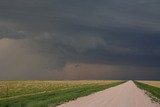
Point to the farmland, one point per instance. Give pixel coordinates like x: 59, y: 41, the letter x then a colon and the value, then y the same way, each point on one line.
x: 152, y: 83
x: 152, y: 88
x: 45, y: 93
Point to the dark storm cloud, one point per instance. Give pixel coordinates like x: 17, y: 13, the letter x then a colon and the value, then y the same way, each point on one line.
x: 116, y: 32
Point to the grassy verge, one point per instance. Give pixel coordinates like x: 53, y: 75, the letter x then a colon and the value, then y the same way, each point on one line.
x: 152, y: 91
x: 55, y: 97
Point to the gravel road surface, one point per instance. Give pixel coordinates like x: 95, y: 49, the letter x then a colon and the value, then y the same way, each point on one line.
x: 124, y: 95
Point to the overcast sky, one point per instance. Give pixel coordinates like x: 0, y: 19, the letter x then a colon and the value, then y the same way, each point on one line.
x: 79, y: 39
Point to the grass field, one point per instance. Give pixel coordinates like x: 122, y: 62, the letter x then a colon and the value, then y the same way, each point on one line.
x: 47, y: 93
x: 152, y: 87
x: 152, y: 83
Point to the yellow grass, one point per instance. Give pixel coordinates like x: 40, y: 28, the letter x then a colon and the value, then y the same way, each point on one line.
x: 43, y: 93
x: 21, y: 88
x: 152, y: 83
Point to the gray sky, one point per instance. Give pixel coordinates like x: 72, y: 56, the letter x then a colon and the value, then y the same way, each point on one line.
x: 79, y: 39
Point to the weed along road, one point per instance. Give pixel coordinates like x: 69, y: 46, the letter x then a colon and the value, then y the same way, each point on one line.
x: 124, y: 95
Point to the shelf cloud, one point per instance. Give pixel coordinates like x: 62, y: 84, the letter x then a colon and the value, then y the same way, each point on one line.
x: 70, y: 39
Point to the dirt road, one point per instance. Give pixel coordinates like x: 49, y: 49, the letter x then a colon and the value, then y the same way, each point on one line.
x: 124, y: 95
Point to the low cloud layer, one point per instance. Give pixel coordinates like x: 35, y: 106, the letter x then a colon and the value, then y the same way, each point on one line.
x: 40, y: 39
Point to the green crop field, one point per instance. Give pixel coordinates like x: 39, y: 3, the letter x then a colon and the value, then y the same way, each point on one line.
x: 47, y: 93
